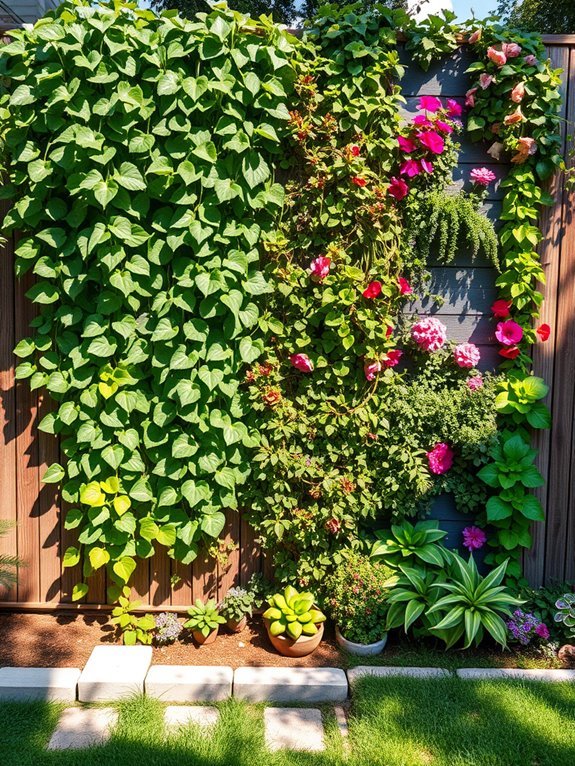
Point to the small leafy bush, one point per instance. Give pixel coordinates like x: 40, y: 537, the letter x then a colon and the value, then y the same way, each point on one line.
x: 238, y: 603
x: 356, y: 598
x: 133, y: 629
x: 407, y: 544
x: 293, y: 614
x: 542, y: 601
x: 167, y: 628
x: 204, y: 618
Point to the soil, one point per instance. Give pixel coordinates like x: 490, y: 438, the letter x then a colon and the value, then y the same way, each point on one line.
x: 66, y: 640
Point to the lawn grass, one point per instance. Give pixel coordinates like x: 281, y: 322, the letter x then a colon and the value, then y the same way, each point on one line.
x: 393, y: 722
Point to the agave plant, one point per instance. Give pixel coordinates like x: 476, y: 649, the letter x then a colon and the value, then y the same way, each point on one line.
x: 292, y: 613
x: 473, y: 604
x: 407, y: 545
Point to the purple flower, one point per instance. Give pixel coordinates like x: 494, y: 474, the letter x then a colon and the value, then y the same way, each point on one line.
x: 525, y: 626
x: 542, y: 631
x: 474, y: 538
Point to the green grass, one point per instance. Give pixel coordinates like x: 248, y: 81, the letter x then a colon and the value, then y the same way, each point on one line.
x: 393, y: 722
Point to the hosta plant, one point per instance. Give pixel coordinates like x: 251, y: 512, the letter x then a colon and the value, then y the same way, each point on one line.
x: 204, y: 618
x: 134, y: 629
x: 566, y: 612
x: 411, y: 544
x: 292, y: 614
x: 473, y: 605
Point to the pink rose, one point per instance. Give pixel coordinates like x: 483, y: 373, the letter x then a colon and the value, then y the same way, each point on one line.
x: 509, y: 333
x: 482, y: 176
x: 518, y: 93
x: 426, y: 166
x: 530, y: 60
x: 301, y: 362
x: 470, y: 97
x: 371, y: 368
x: 372, y: 290
x: 511, y: 50
x: 497, y: 57
x: 391, y: 359
x: 430, y: 103
x: 454, y: 109
x: 404, y: 286
x: 430, y: 334
x: 474, y: 383
x: 406, y: 144
x: 398, y: 188
x: 466, y: 355
x: 410, y: 168
x: 474, y: 37
x: 440, y: 458
x: 485, y: 80
x: 432, y: 141
x: 474, y: 538
x: 319, y: 268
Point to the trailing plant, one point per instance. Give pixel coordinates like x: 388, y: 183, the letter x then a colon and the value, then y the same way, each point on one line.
x: 431, y: 38
x: 356, y: 598
x: 204, y: 618
x: 167, y: 628
x: 408, y: 545
x: 292, y: 614
x: 133, y: 629
x: 142, y: 154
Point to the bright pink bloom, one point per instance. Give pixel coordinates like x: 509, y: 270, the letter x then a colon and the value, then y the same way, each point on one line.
x: 500, y: 308
x: 542, y: 631
x: 440, y: 458
x: 398, y: 188
x: 432, y: 141
x: 430, y: 103
x: 466, y: 355
x: 319, y: 268
x: 474, y: 382
x: 422, y: 121
x: 509, y: 333
x: 443, y: 127
x: 410, y: 168
x: 359, y: 181
x: 371, y: 368
x: 372, y: 290
x: 406, y: 144
x: 518, y: 93
x: 426, y: 166
x: 470, y: 97
x: 497, y: 57
x: 454, y: 109
x: 544, y: 331
x: 482, y: 176
x: 429, y: 333
x: 354, y: 149
x: 485, y: 80
x: 301, y: 362
x: 475, y: 36
x: 474, y: 538
x: 530, y: 60
x: 391, y: 359
x: 404, y: 286
x: 511, y: 50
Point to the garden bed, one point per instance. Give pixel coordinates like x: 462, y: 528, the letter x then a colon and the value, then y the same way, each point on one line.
x: 66, y: 640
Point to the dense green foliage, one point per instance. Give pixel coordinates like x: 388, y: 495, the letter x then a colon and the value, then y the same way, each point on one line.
x: 556, y: 18
x: 282, y: 11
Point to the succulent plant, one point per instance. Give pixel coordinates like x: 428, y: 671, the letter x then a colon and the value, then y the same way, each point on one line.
x: 292, y: 613
x: 566, y: 611
x: 204, y: 617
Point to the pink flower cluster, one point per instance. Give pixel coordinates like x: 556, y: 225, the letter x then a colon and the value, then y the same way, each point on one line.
x: 466, y: 355
x: 319, y: 268
x: 482, y: 176
x: 430, y: 334
x: 440, y: 458
x: 475, y: 382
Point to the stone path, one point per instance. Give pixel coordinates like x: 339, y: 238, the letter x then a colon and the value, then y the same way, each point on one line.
x: 293, y: 729
x: 177, y: 716
x: 83, y: 727
x: 189, y: 683
x: 50, y: 684
x: 114, y: 672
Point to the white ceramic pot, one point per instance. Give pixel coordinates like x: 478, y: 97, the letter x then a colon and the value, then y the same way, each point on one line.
x: 362, y: 650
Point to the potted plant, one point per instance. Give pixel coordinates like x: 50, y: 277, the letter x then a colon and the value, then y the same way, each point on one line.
x: 293, y: 622
x: 237, y: 605
x: 204, y: 621
x: 357, y: 602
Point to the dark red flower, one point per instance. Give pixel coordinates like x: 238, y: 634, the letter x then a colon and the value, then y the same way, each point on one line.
x: 359, y: 181
x: 354, y: 149
x: 398, y: 189
x: 372, y: 290
x: 501, y: 308
x: 510, y: 352
x: 544, y: 331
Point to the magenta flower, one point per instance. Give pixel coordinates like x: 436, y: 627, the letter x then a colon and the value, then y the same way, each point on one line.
x: 542, y: 631
x: 406, y: 144
x: 397, y: 188
x: 427, y: 166
x: 422, y: 121
x: 482, y: 176
x: 429, y: 103
x: 474, y: 538
x: 404, y: 287
x: 466, y: 355
x: 319, y: 268
x: 301, y: 362
x: 371, y: 368
x: 509, y: 333
x: 454, y: 109
x: 474, y: 383
x: 430, y: 334
x: 410, y: 168
x: 444, y: 127
x: 432, y: 141
x: 392, y: 358
x: 440, y: 458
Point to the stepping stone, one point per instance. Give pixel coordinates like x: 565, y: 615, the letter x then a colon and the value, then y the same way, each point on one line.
x: 186, y: 683
x: 394, y: 672
x: 176, y: 716
x: 83, y: 727
x: 114, y: 672
x: 535, y: 674
x: 263, y: 684
x: 288, y: 728
x: 52, y: 684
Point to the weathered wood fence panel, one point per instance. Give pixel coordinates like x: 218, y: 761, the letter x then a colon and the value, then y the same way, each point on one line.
x: 468, y: 291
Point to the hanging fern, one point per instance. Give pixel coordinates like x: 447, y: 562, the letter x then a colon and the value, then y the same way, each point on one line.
x: 451, y: 221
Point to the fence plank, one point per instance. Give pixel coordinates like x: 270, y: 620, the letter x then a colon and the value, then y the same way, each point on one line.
x: 49, y: 512
x: 229, y: 567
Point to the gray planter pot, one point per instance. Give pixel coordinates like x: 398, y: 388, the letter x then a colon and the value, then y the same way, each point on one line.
x: 362, y: 650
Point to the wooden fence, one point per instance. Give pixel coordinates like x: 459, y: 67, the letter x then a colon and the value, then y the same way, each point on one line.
x: 468, y: 290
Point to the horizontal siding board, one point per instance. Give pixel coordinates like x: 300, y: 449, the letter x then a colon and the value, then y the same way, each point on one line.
x: 446, y: 78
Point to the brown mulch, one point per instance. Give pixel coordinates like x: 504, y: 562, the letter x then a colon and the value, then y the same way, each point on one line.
x: 50, y: 640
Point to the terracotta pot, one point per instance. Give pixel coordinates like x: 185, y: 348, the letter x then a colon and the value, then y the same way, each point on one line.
x: 236, y: 626
x: 200, y: 639
x: 301, y: 647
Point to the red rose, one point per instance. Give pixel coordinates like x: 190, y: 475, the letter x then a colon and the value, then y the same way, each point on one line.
x: 501, y: 308
x: 544, y: 331
x: 372, y: 290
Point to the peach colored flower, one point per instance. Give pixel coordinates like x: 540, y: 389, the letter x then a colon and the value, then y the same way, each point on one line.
x: 474, y: 37
x: 497, y: 57
x: 514, y: 117
x: 518, y: 93
x: 525, y: 148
